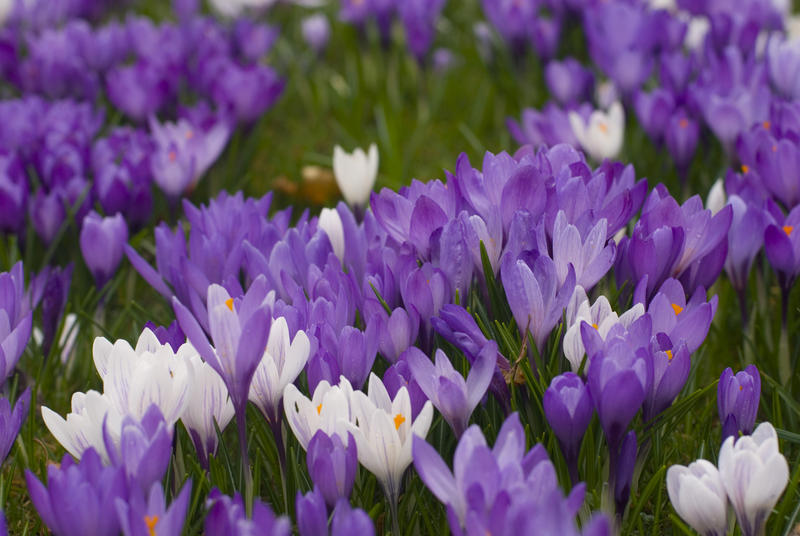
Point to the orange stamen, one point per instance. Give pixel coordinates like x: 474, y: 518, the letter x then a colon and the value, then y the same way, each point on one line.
x: 677, y: 308
x: 398, y: 420
x: 229, y: 303
x: 151, y: 522
x: 788, y: 230
x: 745, y: 168
x: 319, y: 409
x: 669, y: 355
x: 683, y: 122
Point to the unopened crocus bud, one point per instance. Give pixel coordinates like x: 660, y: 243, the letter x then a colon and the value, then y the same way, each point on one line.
x: 399, y: 375
x: 312, y: 516
x: 682, y: 133
x: 754, y: 474
x: 102, y: 241
x: 332, y: 465
x: 331, y: 224
x: 568, y: 408
x: 624, y: 472
x: 348, y: 520
x: 716, y: 197
x: 316, y: 31
x: 737, y: 400
x: 698, y: 495
x: 355, y: 173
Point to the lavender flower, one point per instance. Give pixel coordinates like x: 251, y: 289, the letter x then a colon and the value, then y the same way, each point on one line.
x: 568, y: 408
x: 16, y: 319
x: 737, y: 400
x: 138, y: 517
x: 80, y: 498
x: 102, y: 240
x: 11, y: 421
x: 332, y: 465
x: 455, y: 398
x: 226, y: 516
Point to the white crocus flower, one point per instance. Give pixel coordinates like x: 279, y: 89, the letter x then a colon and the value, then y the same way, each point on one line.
x: 69, y: 334
x: 329, y: 405
x: 355, y: 173
x: 383, y: 430
x: 150, y: 374
x: 282, y: 362
x: 331, y: 223
x: 754, y: 474
x: 696, y: 32
x: 602, y: 136
x: 208, y: 403
x: 698, y: 495
x: 599, y: 315
x: 83, y: 427
x: 716, y: 197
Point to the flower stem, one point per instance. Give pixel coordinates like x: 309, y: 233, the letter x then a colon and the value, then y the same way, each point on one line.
x: 248, y: 475
x: 784, y: 366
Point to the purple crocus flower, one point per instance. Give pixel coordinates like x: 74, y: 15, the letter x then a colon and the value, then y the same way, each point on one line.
x: 139, y: 90
x: 348, y: 520
x: 568, y: 81
x: 399, y: 375
x: 312, y: 515
x: 253, y: 40
x: 534, y: 295
x: 144, y: 448
x: 737, y: 400
x: 183, y: 153
x: 782, y: 246
x: 671, y: 365
x: 590, y: 256
x: 13, y: 193
x: 16, y: 319
x: 332, y: 465
x: 682, y: 321
x: 681, y: 135
x: 11, y: 421
x: 80, y: 498
x: 138, y: 517
x: 239, y: 330
x: 568, y: 408
x: 457, y: 326
x: 396, y: 332
x: 226, y: 516
x: 172, y: 334
x: 654, y: 110
x: 102, y: 240
x: 619, y: 378
x: 47, y: 213
x: 316, y: 31
x: 419, y: 20
x: 245, y: 92
x: 55, y: 283
x: 783, y: 61
x: 455, y: 398
x: 745, y: 240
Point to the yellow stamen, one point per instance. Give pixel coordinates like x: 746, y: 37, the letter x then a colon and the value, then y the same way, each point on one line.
x: 603, y: 127
x: 740, y: 387
x: 788, y: 229
x: 745, y: 168
x: 319, y: 409
x: 151, y: 522
x: 677, y: 308
x: 172, y: 156
x: 669, y: 355
x: 766, y: 124
x: 398, y: 420
x: 229, y: 303
x: 595, y: 326
x: 189, y: 134
x: 683, y: 122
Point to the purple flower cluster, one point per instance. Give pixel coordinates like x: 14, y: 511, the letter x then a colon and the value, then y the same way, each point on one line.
x: 504, y: 489
x: 418, y: 17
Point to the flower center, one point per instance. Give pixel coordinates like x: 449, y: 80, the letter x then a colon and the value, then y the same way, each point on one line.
x: 151, y: 522
x: 766, y: 124
x: 677, y: 308
x: 398, y: 420
x: 788, y: 229
x: 595, y: 326
x: 229, y: 303
x: 319, y: 409
x: 189, y: 134
x: 745, y: 168
x: 683, y: 122
x: 603, y: 128
x: 172, y: 156
x: 669, y: 355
